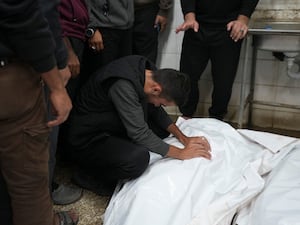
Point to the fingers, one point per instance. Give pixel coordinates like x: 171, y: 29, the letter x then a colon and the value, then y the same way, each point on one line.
x: 96, y: 46
x: 61, y: 105
x: 201, y: 141
x: 188, y: 25
x: 238, y: 34
x: 196, y: 149
x: 205, y: 143
x: 204, y: 154
x: 238, y: 30
x: 96, y: 42
x: 203, y: 151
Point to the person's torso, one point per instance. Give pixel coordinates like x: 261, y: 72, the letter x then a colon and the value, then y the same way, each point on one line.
x: 73, y: 18
x: 217, y: 12
x: 111, y: 13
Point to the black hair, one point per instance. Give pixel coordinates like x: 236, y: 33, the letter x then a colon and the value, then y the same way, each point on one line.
x: 175, y: 85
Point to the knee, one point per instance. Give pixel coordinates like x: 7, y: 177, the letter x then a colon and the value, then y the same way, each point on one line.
x: 137, y: 163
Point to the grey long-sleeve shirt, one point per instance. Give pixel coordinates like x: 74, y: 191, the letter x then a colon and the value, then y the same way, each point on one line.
x: 126, y: 101
x: 116, y: 14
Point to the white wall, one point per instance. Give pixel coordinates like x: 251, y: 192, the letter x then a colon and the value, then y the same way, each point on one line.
x: 272, y: 83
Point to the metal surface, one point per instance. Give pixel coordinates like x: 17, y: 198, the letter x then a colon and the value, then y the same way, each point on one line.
x: 275, y: 36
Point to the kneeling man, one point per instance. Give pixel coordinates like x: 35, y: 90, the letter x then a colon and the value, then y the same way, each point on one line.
x: 118, y: 118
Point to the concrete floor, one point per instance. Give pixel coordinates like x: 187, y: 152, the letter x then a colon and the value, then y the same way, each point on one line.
x: 90, y: 207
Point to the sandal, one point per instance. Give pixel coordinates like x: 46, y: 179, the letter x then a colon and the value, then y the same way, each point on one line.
x: 65, y: 218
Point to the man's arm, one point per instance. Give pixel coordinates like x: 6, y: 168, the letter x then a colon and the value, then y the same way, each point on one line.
x: 126, y: 102
x: 131, y: 113
x: 24, y: 27
x: 248, y: 7
x: 162, y: 15
x: 58, y: 95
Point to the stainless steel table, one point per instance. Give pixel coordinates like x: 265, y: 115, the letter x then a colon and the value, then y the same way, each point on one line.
x: 275, y: 36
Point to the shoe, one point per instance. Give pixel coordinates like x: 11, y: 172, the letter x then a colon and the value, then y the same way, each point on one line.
x: 64, y: 195
x: 66, y: 218
x: 91, y: 183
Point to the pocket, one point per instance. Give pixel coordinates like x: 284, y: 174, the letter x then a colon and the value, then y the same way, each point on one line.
x: 36, y: 146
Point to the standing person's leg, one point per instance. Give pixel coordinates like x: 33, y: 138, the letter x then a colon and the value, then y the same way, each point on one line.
x: 125, y: 42
x: 145, y: 35
x: 193, y: 61
x: 5, y: 208
x: 225, y: 59
x: 24, y: 145
x: 60, y: 193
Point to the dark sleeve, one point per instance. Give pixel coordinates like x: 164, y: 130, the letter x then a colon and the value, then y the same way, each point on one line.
x: 164, y: 7
x: 27, y: 33
x: 187, y: 6
x: 50, y: 10
x: 248, y: 7
x: 126, y: 102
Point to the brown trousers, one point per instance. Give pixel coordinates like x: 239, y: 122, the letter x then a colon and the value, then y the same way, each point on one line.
x: 24, y: 144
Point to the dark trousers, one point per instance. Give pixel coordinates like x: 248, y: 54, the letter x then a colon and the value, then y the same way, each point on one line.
x: 113, y: 158
x: 24, y: 145
x: 5, y: 205
x: 73, y: 86
x: 116, y: 157
x: 197, y: 49
x: 145, y: 35
x: 75, y: 83
x: 117, y: 43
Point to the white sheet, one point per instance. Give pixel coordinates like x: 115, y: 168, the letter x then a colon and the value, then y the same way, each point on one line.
x: 279, y: 202
x: 196, y: 191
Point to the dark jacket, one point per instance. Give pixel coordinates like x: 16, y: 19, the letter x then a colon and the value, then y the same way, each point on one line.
x: 94, y: 115
x: 24, y: 33
x: 50, y: 10
x: 218, y: 13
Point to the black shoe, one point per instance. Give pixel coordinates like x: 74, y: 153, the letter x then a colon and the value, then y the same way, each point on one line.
x: 91, y: 183
x: 64, y: 195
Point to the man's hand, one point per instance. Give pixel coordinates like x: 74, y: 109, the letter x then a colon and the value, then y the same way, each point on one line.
x: 58, y: 96
x: 161, y: 21
x: 189, y: 23
x: 73, y: 64
x: 238, y: 28
x: 96, y: 42
x: 73, y: 61
x: 194, y: 147
x: 61, y: 105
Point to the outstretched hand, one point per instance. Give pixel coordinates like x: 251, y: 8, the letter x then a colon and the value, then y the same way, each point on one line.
x: 189, y: 23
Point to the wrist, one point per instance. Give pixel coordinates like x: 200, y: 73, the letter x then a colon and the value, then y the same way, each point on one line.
x: 89, y: 32
x: 53, y: 80
x: 174, y: 152
x: 190, y: 16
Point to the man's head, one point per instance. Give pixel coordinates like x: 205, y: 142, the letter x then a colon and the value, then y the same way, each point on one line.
x: 167, y: 87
